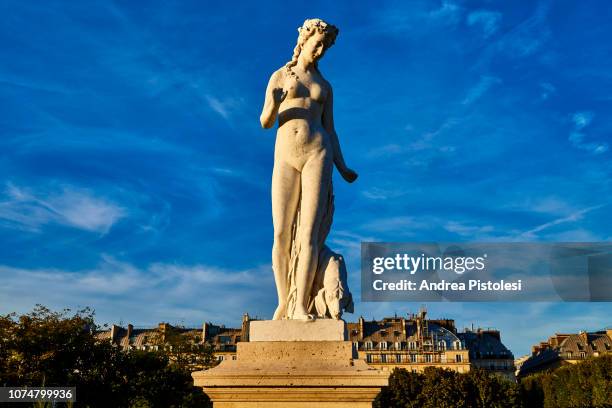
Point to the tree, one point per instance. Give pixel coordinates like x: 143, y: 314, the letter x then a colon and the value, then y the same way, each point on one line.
x: 58, y: 349
x: 439, y: 388
x: 587, y: 384
x: 404, y: 391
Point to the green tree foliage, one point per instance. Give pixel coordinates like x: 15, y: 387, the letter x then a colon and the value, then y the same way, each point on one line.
x: 587, y: 384
x: 404, y: 391
x: 584, y: 385
x: 437, y: 388
x: 59, y: 349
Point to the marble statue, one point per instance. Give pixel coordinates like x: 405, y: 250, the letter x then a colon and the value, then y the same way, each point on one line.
x: 310, y: 278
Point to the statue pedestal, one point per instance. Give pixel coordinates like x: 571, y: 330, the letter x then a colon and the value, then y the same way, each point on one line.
x: 294, y: 373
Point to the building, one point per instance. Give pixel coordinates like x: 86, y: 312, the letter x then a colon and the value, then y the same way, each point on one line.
x: 413, y: 342
x: 487, y: 351
x: 562, y: 349
x: 222, y: 339
x: 416, y: 342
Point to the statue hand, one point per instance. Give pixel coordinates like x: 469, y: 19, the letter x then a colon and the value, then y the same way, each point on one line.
x: 279, y: 95
x: 348, y: 174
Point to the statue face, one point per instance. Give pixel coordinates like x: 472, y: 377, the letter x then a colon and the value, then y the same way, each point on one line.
x: 314, y: 48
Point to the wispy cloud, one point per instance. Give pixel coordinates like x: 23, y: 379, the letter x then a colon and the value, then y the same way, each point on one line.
x: 582, y: 119
x: 403, y: 224
x: 478, y: 90
x: 422, y: 148
x: 549, y: 205
x: 547, y: 89
x: 380, y: 193
x: 465, y: 230
x: 529, y: 36
x: 386, y: 150
x: 118, y: 289
x: 577, y: 138
x: 220, y: 107
x: 573, y: 217
x: 448, y: 12
x: 28, y: 209
x: 487, y: 21
x: 418, y: 20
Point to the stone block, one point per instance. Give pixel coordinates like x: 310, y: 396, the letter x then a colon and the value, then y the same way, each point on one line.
x: 298, y: 330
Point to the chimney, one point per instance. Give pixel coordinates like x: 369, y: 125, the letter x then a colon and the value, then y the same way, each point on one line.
x: 246, y: 325
x: 361, y: 328
x: 163, y: 328
x: 204, y: 332
x: 404, y: 328
x: 113, y: 333
x: 584, y: 336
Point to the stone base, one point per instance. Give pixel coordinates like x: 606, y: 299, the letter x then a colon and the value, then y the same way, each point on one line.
x: 292, y: 374
x: 297, y: 330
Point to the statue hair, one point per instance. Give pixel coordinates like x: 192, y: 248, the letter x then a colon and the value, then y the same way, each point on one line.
x: 305, y: 32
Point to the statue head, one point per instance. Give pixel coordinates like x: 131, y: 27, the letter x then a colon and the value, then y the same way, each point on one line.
x: 314, y: 38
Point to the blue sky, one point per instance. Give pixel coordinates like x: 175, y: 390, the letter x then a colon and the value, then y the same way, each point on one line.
x: 135, y: 178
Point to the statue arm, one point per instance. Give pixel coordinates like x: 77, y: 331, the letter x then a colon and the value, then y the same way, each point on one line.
x: 328, y: 123
x: 274, y: 97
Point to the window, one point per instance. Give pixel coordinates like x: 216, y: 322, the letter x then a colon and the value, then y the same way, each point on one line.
x: 457, y: 345
x: 458, y: 358
x: 225, y: 339
x: 233, y: 357
x: 398, y: 345
x: 569, y: 354
x: 383, y: 358
x: 398, y: 358
x: 412, y: 345
x: 368, y: 358
x: 383, y: 345
x: 368, y: 345
x: 428, y: 358
x: 413, y: 358
x: 356, y: 345
x: 442, y: 345
x: 582, y: 354
x: 219, y: 358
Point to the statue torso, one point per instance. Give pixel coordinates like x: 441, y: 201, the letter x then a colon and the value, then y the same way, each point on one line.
x: 301, y: 133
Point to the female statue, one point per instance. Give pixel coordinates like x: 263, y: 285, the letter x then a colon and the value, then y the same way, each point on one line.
x: 306, y: 149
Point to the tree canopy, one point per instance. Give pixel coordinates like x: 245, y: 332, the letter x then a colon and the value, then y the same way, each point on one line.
x: 46, y: 348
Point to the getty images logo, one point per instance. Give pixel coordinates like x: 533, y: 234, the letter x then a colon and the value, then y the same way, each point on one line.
x: 412, y: 264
